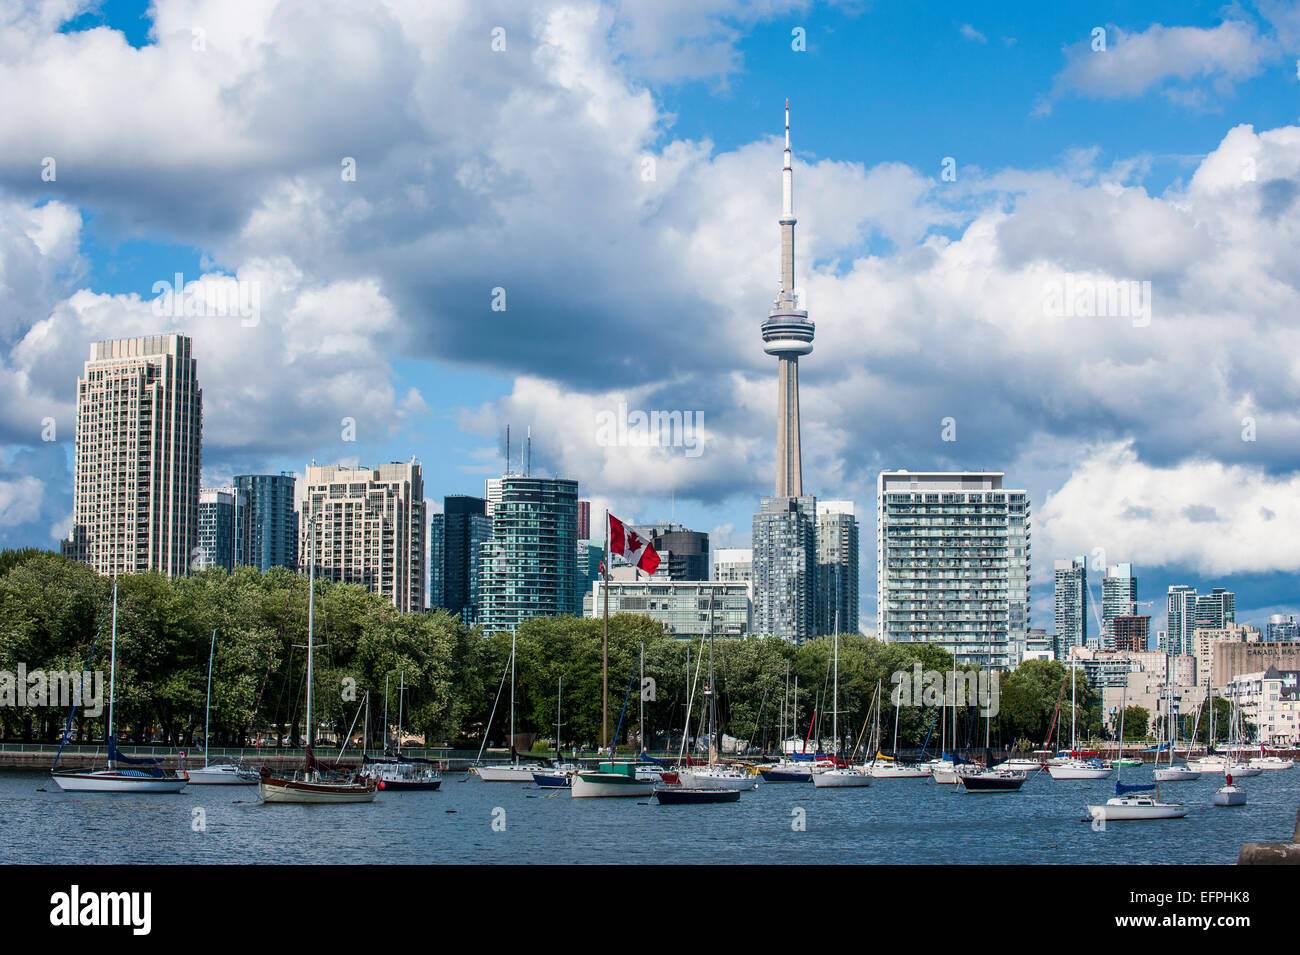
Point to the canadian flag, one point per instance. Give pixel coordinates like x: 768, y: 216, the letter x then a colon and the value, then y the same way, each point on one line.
x: 631, y: 546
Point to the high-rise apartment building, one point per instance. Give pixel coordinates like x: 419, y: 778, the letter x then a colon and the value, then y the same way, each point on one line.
x: 785, y: 568
x: 370, y: 528
x: 1216, y: 610
x: 467, y: 529
x: 267, y: 523
x: 952, y: 564
x: 1071, y: 601
x: 1180, y: 609
x: 733, y: 563
x: 1118, y: 599
x: 1130, y: 633
x: 584, y: 520
x: 686, y: 608
x: 1282, y: 627
x: 135, y: 492
x: 529, y: 567
x: 218, y: 529
x: 837, y: 567
x: 437, y: 561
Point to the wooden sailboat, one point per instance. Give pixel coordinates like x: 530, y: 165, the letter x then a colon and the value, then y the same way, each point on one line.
x: 309, y: 785
x: 113, y: 779
x: 220, y: 774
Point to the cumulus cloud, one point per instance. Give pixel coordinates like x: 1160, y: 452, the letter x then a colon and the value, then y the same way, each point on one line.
x: 1168, y: 59
x: 1218, y: 519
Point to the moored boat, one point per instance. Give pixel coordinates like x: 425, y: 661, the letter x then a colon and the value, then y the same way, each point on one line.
x: 994, y: 781
x: 844, y: 778
x: 680, y: 796
x: 612, y: 780
x: 1271, y: 763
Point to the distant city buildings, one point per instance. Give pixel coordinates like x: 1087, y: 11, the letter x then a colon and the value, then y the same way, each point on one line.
x: 952, y: 564
x: 1282, y: 627
x: 685, y: 551
x: 1130, y: 632
x: 1180, y: 608
x: 135, y: 487
x: 217, y: 529
x: 1269, y: 700
x: 529, y: 566
x: 584, y: 520
x: 837, y: 567
x: 1216, y: 610
x: 1118, y: 599
x: 686, y: 608
x: 266, y: 533
x: 369, y: 528
x: 466, y: 528
x: 1071, y: 603
x: 785, y: 568
x: 733, y: 564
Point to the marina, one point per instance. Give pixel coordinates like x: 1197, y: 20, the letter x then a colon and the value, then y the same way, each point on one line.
x: 1044, y: 823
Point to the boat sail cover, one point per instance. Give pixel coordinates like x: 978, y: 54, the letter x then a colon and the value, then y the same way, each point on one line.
x: 1121, y: 789
x: 647, y: 758
x: 116, y: 755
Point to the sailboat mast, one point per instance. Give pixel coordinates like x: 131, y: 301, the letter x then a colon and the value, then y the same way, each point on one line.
x: 207, y: 710
x: 835, y: 703
x: 604, y: 646
x: 641, y: 726
x: 112, y: 672
x: 387, y: 677
x: 1073, y: 746
x: 311, y: 611
x: 401, y: 692
x: 512, y: 695
x: 559, y: 697
x: 712, y: 695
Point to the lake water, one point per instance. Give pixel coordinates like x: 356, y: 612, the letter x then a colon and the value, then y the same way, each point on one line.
x: 893, y: 821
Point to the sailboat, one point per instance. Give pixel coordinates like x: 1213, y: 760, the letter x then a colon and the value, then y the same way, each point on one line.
x: 309, y: 786
x: 715, y: 775
x: 888, y: 767
x: 112, y: 779
x: 993, y: 779
x: 401, y: 773
x: 841, y: 777
x: 1075, y: 768
x: 515, y: 771
x: 1130, y: 803
x: 1172, y: 773
x: 220, y: 774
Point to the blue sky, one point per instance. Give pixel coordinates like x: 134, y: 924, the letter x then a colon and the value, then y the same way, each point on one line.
x: 517, y: 169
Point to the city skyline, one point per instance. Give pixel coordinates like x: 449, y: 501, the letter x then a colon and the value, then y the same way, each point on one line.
x: 1109, y: 443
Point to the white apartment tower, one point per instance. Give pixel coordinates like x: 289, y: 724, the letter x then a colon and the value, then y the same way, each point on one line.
x: 369, y: 527
x: 136, y: 473
x: 952, y: 564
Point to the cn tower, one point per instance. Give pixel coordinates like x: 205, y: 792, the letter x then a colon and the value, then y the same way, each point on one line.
x: 787, y: 334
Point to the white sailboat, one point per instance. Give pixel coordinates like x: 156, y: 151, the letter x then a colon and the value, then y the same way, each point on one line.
x: 1130, y: 803
x: 1229, y: 795
x: 841, y: 777
x: 309, y: 786
x: 1074, y: 768
x: 1172, y: 773
x: 112, y: 779
x: 890, y: 768
x: 220, y: 774
x: 715, y: 775
x: 514, y: 771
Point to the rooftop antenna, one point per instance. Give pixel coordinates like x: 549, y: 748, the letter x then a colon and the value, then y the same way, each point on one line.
x: 528, y: 467
x: 507, y: 449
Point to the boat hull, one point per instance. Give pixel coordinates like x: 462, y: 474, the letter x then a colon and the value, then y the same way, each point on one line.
x: 552, y: 780
x: 695, y: 797
x: 505, y: 774
x: 213, y: 776
x: 409, y: 785
x: 1271, y: 763
x: 706, y: 780
x: 1241, y: 771
x: 898, y: 772
x: 785, y: 775
x: 841, y: 779
x: 1176, y: 774
x: 995, y: 782
x: 1127, y: 810
x: 105, y: 781
x: 610, y: 785
x: 1079, y: 772
x: 1230, y: 796
x: 274, y: 790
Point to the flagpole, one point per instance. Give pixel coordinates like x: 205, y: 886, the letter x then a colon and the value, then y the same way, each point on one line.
x: 604, y: 664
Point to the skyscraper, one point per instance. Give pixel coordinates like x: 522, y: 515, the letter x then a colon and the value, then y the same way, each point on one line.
x: 217, y: 529
x: 437, y: 561
x: 1216, y: 610
x: 952, y: 564
x: 1181, y: 625
x: 584, y: 520
x: 1071, y: 599
x: 370, y: 528
x: 1119, y: 592
x: 467, y: 527
x: 530, y: 565
x: 135, y: 489
x: 785, y: 568
x: 1282, y: 627
x: 267, y: 525
x: 837, y: 567
x: 787, y: 334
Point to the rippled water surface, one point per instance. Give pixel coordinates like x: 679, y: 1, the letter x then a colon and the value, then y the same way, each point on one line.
x: 893, y: 821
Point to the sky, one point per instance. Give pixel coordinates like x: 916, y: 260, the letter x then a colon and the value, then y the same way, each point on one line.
x: 446, y: 218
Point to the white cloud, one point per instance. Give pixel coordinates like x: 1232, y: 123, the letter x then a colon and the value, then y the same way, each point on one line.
x: 1219, y: 519
x: 970, y: 33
